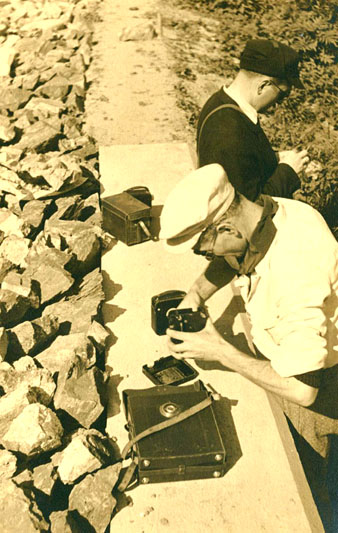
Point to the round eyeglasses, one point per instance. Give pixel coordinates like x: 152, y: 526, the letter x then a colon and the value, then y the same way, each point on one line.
x: 283, y: 93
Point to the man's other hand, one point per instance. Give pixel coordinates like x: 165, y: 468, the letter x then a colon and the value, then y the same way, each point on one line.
x: 191, y: 301
x: 296, y: 160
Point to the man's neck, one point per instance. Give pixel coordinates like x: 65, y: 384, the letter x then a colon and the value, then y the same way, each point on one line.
x: 249, y: 217
x: 243, y: 98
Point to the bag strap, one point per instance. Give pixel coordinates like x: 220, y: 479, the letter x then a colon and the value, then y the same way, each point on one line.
x: 154, y: 429
x: 223, y: 106
x: 167, y: 423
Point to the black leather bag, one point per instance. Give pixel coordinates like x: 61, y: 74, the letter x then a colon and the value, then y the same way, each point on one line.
x: 174, y: 435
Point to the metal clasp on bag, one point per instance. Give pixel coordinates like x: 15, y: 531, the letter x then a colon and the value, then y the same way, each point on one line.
x: 170, y: 409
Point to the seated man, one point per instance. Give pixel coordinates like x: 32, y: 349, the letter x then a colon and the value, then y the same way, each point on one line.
x: 285, y: 260
x: 229, y: 132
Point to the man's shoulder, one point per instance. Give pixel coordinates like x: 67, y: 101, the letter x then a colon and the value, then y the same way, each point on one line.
x: 226, y: 119
x: 217, y: 99
x: 302, y: 225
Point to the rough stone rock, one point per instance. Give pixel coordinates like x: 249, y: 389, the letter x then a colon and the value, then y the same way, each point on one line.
x: 67, y: 208
x: 19, y: 512
x: 25, y: 363
x: 24, y: 118
x: 14, y: 402
x: 91, y: 210
x: 44, y: 478
x: 22, y: 285
x: 64, y: 522
x: 50, y: 168
x: 88, y: 451
x: 13, y: 307
x: 15, y: 249
x: 7, y: 129
x: 93, y: 498
x: 45, y: 107
x: 47, y: 268
x: 24, y: 372
x: 75, y: 103
x: 98, y: 334
x: 8, y: 377
x: 59, y: 57
x: 41, y: 136
x: 10, y: 224
x: 74, y: 74
x: 44, y: 24
x: 3, y: 343
x: 31, y: 384
x: 9, y: 155
x: 28, y: 45
x: 36, y: 430
x: 80, y: 392
x: 12, y: 98
x: 3, y: 28
x: 29, y: 337
x: 33, y: 214
x: 140, y: 32
x: 7, y: 464
x: 12, y: 190
x: 5, y: 267
x: 7, y: 54
x: 76, y: 208
x: 81, y: 308
x: 71, y: 127
x: 17, y: 283
x: 24, y: 479
x: 79, y: 239
x: 56, y: 88
x: 65, y: 349
x: 29, y: 81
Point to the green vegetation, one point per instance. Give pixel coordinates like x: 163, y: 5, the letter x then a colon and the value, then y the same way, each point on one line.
x: 307, y: 118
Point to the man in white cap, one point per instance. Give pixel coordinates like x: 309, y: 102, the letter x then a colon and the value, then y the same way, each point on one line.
x: 285, y: 260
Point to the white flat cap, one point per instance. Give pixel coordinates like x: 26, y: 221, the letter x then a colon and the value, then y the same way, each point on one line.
x: 195, y: 202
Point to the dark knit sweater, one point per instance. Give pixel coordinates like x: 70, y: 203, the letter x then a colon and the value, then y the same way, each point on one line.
x: 231, y: 139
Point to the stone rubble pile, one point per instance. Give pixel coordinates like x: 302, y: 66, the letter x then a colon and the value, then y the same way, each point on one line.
x: 57, y: 466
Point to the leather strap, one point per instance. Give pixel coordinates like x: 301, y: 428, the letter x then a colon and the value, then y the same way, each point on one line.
x: 223, y: 106
x: 127, y: 476
x: 167, y: 423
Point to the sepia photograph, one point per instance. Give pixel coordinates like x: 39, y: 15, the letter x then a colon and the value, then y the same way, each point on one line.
x: 168, y: 266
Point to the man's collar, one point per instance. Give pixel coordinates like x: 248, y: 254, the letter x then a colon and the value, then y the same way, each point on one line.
x: 250, y: 111
x: 261, y: 238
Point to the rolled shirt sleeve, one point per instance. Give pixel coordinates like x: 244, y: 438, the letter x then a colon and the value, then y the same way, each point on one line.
x: 291, y: 312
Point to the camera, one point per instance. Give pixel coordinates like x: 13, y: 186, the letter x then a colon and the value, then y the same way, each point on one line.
x: 186, y: 320
x: 160, y: 304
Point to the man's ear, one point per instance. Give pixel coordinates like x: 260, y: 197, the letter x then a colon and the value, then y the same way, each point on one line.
x: 261, y: 86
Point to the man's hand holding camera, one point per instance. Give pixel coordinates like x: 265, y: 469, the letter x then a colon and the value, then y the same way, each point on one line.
x: 205, y: 345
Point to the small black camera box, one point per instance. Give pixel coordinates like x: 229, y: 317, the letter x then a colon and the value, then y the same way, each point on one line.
x: 160, y: 304
x: 126, y: 218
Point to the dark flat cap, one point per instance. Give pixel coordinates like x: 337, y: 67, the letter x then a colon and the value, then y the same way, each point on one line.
x: 273, y: 59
